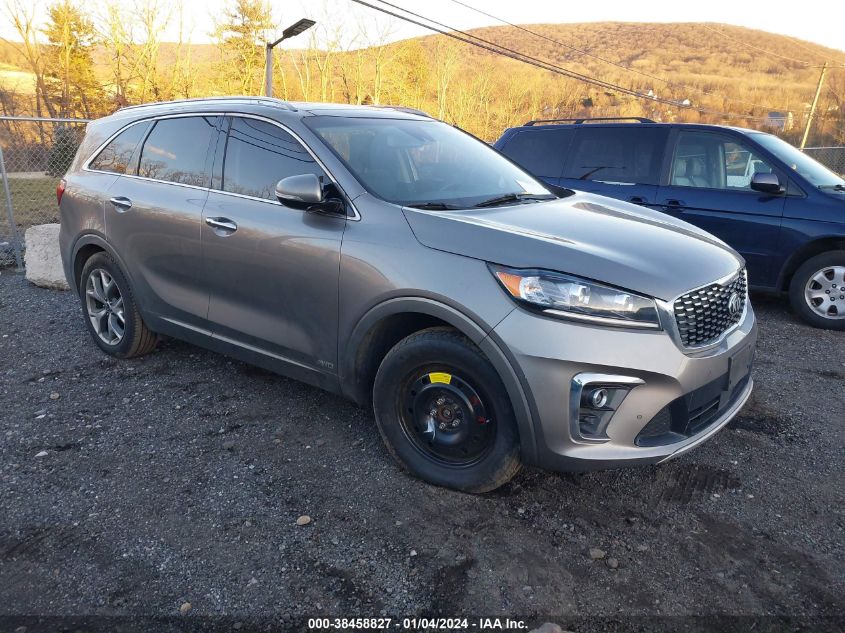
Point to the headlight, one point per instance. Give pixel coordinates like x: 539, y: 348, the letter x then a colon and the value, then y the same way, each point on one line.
x: 573, y: 298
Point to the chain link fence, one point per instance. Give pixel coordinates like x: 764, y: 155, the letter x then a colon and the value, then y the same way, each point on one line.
x: 36, y: 153
x: 831, y: 157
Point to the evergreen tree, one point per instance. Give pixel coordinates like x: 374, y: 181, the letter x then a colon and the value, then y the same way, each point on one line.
x: 241, y: 34
x: 69, y: 64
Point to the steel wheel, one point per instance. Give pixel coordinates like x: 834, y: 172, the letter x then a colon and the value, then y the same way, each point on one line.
x: 824, y: 292
x: 445, y: 418
x: 104, y: 306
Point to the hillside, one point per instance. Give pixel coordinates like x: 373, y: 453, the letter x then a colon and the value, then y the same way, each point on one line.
x: 715, y: 67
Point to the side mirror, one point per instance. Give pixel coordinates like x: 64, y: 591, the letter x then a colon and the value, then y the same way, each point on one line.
x: 767, y: 183
x: 306, y: 191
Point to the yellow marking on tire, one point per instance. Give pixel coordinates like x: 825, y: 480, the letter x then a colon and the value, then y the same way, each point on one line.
x: 440, y: 377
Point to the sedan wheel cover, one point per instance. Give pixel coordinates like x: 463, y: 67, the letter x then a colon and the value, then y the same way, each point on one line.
x: 104, y: 305
x: 825, y: 292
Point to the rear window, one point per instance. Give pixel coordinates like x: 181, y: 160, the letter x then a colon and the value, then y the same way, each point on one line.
x: 177, y: 150
x: 539, y: 152
x: 116, y: 156
x: 625, y: 154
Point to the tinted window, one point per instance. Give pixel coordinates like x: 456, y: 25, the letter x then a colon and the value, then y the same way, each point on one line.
x: 714, y: 161
x: 176, y: 150
x: 624, y: 154
x: 116, y: 155
x: 260, y: 154
x: 540, y: 152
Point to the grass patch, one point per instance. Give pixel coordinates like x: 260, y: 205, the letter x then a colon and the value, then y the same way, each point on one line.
x: 33, y: 201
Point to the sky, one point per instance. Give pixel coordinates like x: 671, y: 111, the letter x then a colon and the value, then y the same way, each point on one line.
x: 810, y: 20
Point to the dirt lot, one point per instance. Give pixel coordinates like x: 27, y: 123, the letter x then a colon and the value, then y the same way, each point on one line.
x: 131, y: 488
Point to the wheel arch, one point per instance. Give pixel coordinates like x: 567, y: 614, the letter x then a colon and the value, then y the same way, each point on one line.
x: 806, y: 251
x: 84, y: 248
x: 391, y: 321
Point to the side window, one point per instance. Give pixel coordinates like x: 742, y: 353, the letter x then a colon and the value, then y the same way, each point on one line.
x: 115, y: 156
x: 621, y: 154
x: 177, y: 149
x: 259, y: 154
x: 714, y: 161
x: 539, y: 152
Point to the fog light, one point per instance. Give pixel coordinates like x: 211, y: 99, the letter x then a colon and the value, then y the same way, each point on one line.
x: 595, y: 399
x: 598, y: 398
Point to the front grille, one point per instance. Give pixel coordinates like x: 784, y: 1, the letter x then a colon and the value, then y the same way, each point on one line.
x: 703, y: 315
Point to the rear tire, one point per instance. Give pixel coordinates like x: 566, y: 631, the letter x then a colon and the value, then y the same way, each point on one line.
x: 444, y: 414
x: 109, y: 309
x: 817, y: 291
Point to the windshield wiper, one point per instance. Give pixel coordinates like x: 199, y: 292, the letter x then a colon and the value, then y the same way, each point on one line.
x: 599, y: 168
x: 433, y: 206
x: 513, y: 197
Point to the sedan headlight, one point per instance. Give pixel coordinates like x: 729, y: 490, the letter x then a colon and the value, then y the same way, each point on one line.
x: 569, y: 297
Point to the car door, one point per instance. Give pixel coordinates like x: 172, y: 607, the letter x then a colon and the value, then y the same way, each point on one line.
x: 539, y: 151
x: 273, y: 270
x: 620, y: 161
x: 709, y: 185
x: 154, y: 214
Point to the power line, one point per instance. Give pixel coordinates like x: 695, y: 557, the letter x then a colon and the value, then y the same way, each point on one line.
x: 625, y: 67
x: 757, y: 48
x: 516, y: 55
x: 559, y: 43
x: 810, y: 50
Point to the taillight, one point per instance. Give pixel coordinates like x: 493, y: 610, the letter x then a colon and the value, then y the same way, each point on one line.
x: 60, y: 190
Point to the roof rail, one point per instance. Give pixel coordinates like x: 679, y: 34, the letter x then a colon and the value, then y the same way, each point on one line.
x: 583, y: 120
x: 404, y: 109
x: 280, y: 102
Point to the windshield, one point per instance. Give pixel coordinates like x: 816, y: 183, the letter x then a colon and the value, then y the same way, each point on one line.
x: 424, y: 163
x: 816, y: 173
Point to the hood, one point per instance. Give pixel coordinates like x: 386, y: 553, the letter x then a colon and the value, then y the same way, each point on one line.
x: 586, y: 235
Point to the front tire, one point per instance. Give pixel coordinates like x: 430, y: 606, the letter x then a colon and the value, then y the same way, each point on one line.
x: 111, y: 314
x: 817, y: 290
x: 443, y: 412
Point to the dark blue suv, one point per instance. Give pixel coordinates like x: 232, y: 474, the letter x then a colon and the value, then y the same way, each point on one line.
x: 782, y: 210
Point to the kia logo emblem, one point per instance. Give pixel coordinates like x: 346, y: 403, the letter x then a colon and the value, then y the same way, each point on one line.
x: 735, y: 304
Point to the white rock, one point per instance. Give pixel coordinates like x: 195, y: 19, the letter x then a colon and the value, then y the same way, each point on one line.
x: 43, y: 261
x: 42, y: 454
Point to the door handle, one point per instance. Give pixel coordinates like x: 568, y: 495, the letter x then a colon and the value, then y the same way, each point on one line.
x: 637, y: 200
x: 122, y: 203
x: 222, y: 224
x: 673, y: 204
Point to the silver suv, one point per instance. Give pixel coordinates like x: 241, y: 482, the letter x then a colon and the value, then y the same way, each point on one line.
x: 389, y: 257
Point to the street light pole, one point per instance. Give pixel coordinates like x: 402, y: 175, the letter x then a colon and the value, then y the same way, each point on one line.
x: 294, y: 29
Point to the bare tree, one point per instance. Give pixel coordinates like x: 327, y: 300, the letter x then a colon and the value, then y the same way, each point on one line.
x: 22, y: 15
x: 445, y: 63
x: 118, y: 43
x: 153, y: 18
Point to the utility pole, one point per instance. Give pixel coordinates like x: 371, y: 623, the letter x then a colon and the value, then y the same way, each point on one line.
x: 813, y: 108
x: 293, y: 30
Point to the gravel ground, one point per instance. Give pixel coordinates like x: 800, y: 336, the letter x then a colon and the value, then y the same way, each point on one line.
x: 129, y: 488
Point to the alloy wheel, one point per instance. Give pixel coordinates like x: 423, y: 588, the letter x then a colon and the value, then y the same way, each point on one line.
x: 104, y: 306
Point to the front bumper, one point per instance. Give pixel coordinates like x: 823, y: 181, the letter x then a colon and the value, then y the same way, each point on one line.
x: 676, y: 398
